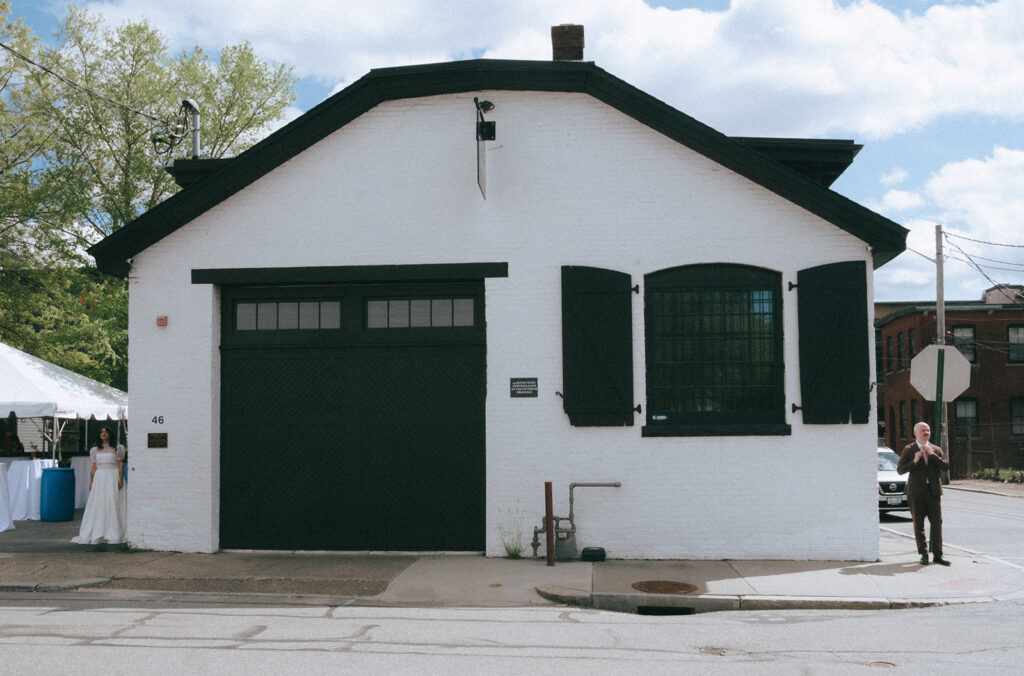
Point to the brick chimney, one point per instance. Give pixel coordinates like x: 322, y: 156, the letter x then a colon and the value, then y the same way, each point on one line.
x: 567, y: 42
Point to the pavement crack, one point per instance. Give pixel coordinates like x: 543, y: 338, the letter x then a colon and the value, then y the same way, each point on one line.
x: 249, y: 633
x: 360, y: 633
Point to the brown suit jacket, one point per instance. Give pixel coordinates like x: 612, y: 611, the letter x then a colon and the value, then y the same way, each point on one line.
x: 923, y: 476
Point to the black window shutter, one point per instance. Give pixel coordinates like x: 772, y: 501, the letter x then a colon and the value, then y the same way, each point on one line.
x: 833, y: 321
x: 597, y: 347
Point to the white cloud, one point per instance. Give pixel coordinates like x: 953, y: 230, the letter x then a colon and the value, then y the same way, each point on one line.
x: 980, y: 204
x: 898, y: 200
x: 895, y: 176
x: 760, y: 67
x: 984, y: 197
x: 804, y: 68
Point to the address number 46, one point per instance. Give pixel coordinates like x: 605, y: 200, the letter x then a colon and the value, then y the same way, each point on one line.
x: 158, y: 420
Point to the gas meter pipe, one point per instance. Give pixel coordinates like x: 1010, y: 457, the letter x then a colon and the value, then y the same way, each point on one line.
x: 549, y: 523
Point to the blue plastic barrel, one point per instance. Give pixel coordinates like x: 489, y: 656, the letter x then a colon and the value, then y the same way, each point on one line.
x: 57, y: 494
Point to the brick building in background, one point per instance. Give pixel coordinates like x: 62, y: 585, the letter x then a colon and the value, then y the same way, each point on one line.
x: 985, y: 424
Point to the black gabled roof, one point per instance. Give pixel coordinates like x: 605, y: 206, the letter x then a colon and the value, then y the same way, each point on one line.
x: 824, y: 160
x: 112, y: 254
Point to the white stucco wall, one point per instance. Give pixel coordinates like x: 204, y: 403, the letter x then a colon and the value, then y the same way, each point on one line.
x: 570, y: 182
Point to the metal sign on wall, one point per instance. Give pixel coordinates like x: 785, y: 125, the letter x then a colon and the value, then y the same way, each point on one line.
x: 523, y: 387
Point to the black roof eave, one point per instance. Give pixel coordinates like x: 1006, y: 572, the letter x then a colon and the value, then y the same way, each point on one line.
x: 886, y: 238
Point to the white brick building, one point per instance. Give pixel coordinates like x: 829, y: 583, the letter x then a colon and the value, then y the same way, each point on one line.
x: 348, y: 318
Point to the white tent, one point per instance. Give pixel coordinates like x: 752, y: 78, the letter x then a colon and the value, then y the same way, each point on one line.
x: 33, y: 388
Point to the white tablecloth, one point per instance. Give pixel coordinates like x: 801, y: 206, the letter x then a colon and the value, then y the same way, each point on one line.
x: 24, y: 481
x: 6, y: 522
x: 81, y: 465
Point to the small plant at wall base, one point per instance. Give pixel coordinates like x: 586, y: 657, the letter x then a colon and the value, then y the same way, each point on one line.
x: 996, y: 474
x: 512, y: 533
x: 129, y: 548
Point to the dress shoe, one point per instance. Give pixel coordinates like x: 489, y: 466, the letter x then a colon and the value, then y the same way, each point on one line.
x: 941, y: 561
x: 924, y: 559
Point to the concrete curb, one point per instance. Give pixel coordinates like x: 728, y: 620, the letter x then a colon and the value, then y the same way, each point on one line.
x: 813, y: 603
x: 68, y: 585
x: 570, y: 596
x: 706, y: 603
x: 986, y: 491
x: 61, y: 585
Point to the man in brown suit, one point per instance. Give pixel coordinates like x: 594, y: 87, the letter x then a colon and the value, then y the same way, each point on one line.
x: 925, y: 463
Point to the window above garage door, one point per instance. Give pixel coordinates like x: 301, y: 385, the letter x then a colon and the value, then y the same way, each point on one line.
x: 287, y: 315
x: 353, y: 314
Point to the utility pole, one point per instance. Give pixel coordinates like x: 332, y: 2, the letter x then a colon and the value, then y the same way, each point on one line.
x: 940, y: 306
x: 940, y: 334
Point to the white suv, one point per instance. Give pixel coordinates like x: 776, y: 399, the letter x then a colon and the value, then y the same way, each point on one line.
x: 892, y: 488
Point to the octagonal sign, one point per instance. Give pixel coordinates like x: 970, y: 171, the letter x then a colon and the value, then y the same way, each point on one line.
x: 956, y: 372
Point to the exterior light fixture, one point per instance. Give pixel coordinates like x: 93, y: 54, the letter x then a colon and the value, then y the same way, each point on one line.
x: 485, y: 130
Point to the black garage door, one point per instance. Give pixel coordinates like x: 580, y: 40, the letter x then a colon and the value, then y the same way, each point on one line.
x: 353, y: 418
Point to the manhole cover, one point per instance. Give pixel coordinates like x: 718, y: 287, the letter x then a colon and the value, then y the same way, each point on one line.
x: 664, y: 587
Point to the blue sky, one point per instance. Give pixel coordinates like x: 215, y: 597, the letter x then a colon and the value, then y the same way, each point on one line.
x: 932, y: 89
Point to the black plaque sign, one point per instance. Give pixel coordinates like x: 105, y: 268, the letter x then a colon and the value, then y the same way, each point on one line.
x: 523, y: 387
x: 156, y: 440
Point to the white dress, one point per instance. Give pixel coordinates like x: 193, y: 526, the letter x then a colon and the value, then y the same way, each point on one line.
x: 104, y: 516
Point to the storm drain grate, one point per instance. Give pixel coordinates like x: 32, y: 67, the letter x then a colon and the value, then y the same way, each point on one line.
x: 665, y: 610
x: 664, y: 587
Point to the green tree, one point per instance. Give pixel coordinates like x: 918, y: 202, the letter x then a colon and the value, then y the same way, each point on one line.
x: 23, y: 138
x: 105, y: 169
x: 74, y: 317
x: 85, y: 165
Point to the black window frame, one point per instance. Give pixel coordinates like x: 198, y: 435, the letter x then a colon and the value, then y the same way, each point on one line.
x: 703, y: 282
x: 1016, y: 416
x: 965, y: 425
x: 968, y: 346
x: 1015, y: 350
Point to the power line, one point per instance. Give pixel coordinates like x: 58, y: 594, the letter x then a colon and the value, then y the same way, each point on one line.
x: 927, y: 258
x: 1019, y: 268
x: 994, y: 260
x: 977, y: 267
x: 81, y: 88
x: 980, y: 241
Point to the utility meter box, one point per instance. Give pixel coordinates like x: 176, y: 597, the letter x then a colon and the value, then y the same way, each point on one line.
x: 565, y: 544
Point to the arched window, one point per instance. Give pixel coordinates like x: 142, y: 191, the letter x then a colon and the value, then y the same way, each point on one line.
x: 714, y: 351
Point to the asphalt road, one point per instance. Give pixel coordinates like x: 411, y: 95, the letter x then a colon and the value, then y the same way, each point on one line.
x: 225, y: 640
x: 979, y: 522
x: 71, y: 634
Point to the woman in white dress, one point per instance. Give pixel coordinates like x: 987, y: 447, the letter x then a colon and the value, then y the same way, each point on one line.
x: 103, y: 520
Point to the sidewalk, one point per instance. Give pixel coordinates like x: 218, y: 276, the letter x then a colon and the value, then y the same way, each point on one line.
x: 38, y: 557
x: 993, y: 487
